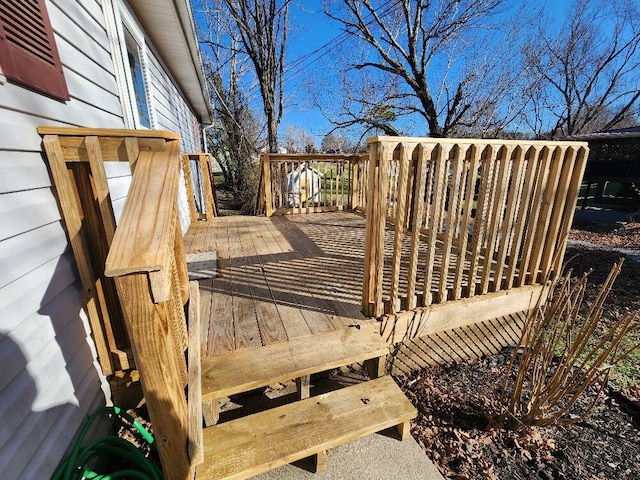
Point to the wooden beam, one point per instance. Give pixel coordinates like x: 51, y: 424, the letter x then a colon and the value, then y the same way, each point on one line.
x: 457, y: 313
x: 160, y: 372
x: 238, y: 371
x: 106, y: 132
x: 114, y: 149
x: 266, y: 182
x: 195, y: 445
x: 251, y: 445
x: 188, y: 183
x: 101, y: 187
x: 207, y: 183
x: 462, y: 141
x: 73, y: 222
x: 144, y: 241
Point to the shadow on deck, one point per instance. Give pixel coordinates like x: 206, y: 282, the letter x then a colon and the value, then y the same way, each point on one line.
x: 278, y: 278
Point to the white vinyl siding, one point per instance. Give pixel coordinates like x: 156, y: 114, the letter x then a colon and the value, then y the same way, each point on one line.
x: 49, y: 379
x: 173, y: 113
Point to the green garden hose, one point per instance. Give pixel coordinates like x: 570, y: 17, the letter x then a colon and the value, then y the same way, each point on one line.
x: 80, y: 463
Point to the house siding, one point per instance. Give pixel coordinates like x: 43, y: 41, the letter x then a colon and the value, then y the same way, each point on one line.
x: 50, y: 379
x: 173, y: 113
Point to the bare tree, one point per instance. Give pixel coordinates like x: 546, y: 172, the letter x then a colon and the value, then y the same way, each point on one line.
x: 297, y: 140
x: 262, y: 27
x: 337, y: 143
x: 586, y: 72
x: 438, y: 51
x: 236, y: 136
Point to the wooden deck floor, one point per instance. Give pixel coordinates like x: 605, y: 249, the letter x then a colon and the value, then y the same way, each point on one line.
x: 278, y: 278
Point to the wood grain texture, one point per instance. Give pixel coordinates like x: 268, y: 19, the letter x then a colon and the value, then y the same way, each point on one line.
x: 144, y: 241
x: 493, y: 218
x: 188, y: 183
x: 73, y: 222
x: 245, y: 447
x: 406, y: 325
x: 195, y: 446
x: 160, y: 371
x: 239, y: 371
x: 106, y: 132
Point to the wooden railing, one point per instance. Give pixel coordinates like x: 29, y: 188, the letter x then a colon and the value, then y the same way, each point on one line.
x: 198, y: 179
x: 470, y: 217
x: 77, y: 159
x: 302, y: 183
x: 136, y: 304
x: 147, y: 262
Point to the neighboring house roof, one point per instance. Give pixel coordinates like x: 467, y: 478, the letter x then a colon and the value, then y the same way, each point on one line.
x: 170, y: 25
x: 631, y: 132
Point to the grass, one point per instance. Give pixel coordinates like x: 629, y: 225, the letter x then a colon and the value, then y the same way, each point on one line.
x: 627, y: 373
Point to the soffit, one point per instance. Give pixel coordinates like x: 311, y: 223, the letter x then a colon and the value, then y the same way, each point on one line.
x: 170, y: 25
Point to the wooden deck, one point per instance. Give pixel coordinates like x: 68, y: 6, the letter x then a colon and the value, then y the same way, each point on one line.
x: 277, y: 278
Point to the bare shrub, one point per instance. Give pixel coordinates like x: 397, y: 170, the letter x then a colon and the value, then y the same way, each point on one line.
x: 562, y: 353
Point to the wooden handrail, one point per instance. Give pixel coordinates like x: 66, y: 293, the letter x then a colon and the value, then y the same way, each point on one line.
x: 200, y: 187
x: 144, y: 240
x: 144, y: 256
x: 106, y: 132
x: 148, y: 265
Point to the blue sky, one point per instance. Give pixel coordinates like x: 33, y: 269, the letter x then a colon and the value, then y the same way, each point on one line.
x: 310, y: 30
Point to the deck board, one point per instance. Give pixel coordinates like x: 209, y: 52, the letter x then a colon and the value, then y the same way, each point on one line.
x: 279, y: 278
x: 289, y: 276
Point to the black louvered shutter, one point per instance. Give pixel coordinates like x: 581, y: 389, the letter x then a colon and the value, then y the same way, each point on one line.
x: 28, y: 53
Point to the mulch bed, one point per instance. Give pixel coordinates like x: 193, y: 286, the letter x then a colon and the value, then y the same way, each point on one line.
x: 458, y: 403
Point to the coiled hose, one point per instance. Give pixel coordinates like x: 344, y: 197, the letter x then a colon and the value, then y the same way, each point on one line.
x: 81, y: 460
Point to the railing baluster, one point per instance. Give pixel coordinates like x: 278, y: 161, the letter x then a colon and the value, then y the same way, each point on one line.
x: 394, y: 305
x: 531, y: 160
x: 508, y: 227
x: 498, y: 197
x: 451, y: 223
x: 579, y: 164
x: 487, y: 165
x: 463, y: 238
x: 435, y: 214
x: 525, y: 274
x: 545, y: 227
x: 418, y: 201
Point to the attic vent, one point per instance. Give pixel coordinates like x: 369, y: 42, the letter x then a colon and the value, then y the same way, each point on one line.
x: 28, y: 53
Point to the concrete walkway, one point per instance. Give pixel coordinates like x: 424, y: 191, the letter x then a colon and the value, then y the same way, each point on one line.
x: 379, y: 456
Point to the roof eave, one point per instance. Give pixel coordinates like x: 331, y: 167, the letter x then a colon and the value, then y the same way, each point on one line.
x: 170, y: 25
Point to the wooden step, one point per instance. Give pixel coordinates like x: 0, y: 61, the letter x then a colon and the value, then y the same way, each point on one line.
x: 245, y: 370
x: 257, y: 443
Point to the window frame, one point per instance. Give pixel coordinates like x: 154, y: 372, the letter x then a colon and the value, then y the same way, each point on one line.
x: 39, y: 69
x: 119, y: 17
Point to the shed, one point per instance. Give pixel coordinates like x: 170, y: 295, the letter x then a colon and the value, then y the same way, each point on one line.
x: 612, y: 174
x: 303, y: 185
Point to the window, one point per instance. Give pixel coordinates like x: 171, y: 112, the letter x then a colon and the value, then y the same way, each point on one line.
x: 137, y: 79
x: 28, y: 53
x: 129, y: 52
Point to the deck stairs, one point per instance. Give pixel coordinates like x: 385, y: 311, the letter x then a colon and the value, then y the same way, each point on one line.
x: 308, y: 427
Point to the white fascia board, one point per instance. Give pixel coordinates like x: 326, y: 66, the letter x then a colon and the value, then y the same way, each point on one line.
x: 170, y: 25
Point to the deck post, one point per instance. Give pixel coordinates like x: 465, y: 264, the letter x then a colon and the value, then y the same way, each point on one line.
x: 374, y: 237
x: 188, y: 183
x: 355, y: 182
x: 148, y: 326
x: 266, y: 182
